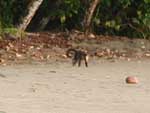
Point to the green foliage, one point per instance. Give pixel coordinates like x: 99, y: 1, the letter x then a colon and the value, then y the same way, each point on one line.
x: 13, y: 31
x: 6, y: 12
x: 11, y: 11
x: 112, y: 17
x: 68, y: 12
x: 19, y: 10
x: 123, y: 17
x: 147, y: 1
x: 1, y: 27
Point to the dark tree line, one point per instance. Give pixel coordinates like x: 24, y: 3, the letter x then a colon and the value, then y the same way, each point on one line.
x: 109, y: 17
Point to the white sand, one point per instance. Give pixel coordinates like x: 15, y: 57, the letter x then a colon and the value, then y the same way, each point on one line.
x: 55, y: 88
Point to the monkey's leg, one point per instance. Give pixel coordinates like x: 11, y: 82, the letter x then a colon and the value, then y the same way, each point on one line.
x: 79, y: 62
x: 86, y: 62
x: 74, y: 62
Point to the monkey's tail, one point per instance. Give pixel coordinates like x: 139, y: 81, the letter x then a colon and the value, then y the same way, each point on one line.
x: 71, y: 52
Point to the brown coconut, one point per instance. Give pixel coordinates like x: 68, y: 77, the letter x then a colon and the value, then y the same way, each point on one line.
x: 132, y: 80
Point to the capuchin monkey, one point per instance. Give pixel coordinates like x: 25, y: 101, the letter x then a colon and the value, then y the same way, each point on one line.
x: 77, y: 56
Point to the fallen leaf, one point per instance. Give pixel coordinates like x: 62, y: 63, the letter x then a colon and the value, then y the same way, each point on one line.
x: 147, y: 54
x: 18, y: 55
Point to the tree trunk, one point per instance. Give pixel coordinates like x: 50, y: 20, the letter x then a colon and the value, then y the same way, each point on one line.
x: 89, y: 15
x: 42, y: 24
x: 31, y: 12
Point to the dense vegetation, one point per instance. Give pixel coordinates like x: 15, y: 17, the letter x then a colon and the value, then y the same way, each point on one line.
x: 111, y: 17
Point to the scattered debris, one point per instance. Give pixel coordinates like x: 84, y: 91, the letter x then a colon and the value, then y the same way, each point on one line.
x: 46, y: 45
x: 52, y: 71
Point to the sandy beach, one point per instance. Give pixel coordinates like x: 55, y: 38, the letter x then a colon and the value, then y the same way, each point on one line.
x: 61, y: 88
